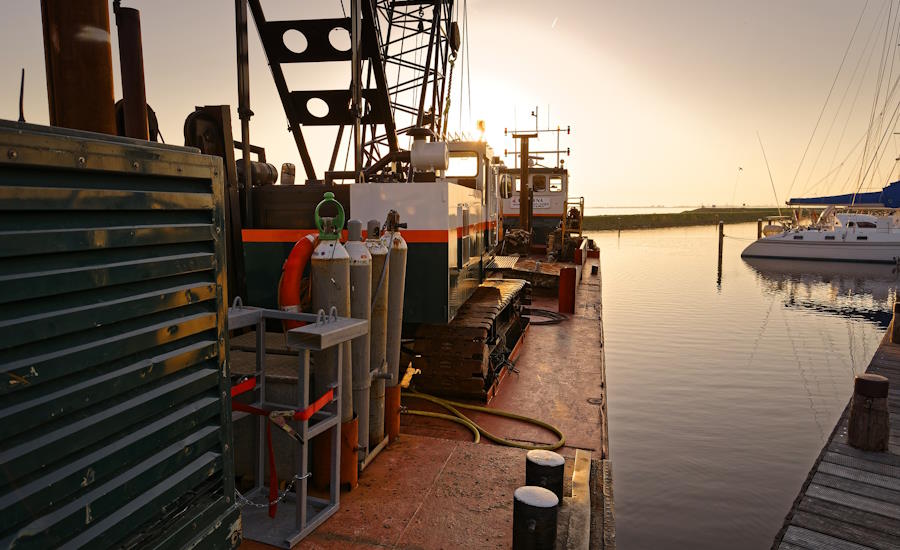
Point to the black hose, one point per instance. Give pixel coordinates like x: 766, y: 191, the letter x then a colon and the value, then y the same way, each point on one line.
x: 553, y: 318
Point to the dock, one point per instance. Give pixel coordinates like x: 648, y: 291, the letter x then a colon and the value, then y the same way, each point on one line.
x: 434, y: 488
x: 851, y: 498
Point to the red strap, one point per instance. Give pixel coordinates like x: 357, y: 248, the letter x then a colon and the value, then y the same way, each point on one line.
x: 305, y: 414
x: 315, y: 407
x: 243, y: 387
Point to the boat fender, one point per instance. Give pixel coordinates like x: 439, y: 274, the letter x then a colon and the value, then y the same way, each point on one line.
x: 291, y: 274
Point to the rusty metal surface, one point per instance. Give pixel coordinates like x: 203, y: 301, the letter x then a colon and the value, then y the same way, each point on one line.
x: 455, y: 494
x: 115, y: 411
x: 455, y: 359
x: 131, y: 62
x: 561, y: 380
x: 78, y: 59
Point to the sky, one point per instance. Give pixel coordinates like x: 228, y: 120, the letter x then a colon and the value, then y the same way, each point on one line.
x: 667, y: 101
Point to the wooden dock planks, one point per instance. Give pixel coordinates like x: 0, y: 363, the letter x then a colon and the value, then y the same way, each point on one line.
x: 851, y: 498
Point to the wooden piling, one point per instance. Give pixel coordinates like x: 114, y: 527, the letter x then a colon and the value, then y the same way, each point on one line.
x: 758, y: 228
x: 869, y: 427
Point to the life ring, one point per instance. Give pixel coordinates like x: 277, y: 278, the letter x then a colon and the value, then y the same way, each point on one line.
x: 291, y: 275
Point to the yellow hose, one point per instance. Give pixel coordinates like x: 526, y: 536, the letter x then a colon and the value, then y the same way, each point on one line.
x: 477, y: 429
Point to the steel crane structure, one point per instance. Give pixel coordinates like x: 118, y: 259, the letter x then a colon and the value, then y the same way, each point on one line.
x: 399, y: 56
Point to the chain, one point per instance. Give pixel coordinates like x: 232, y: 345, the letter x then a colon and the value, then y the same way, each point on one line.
x: 449, y: 93
x: 244, y: 501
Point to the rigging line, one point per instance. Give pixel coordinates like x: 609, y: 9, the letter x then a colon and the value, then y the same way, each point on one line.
x: 884, y: 107
x: 876, y: 155
x: 877, y: 94
x: 862, y: 80
x: 468, y: 56
x: 879, y: 152
x: 828, y: 97
x: 772, y: 181
x: 837, y: 111
x: 809, y: 189
x: 891, y: 53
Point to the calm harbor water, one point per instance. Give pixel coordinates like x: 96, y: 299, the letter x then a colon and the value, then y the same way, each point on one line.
x: 722, y: 395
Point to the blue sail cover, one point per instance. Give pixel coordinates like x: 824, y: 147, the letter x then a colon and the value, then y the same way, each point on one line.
x: 889, y: 197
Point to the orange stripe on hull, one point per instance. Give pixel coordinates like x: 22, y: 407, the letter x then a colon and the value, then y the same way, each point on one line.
x: 534, y: 215
x: 294, y: 235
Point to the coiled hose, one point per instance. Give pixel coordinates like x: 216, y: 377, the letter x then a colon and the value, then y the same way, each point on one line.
x: 477, y: 430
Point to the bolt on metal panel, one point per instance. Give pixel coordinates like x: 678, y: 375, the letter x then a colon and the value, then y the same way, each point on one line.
x: 115, y: 417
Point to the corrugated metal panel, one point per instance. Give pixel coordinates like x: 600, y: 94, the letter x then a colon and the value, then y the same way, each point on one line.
x: 115, y: 424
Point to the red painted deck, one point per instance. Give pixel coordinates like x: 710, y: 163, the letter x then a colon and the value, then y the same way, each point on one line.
x: 434, y: 488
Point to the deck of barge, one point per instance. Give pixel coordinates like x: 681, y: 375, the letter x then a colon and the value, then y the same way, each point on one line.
x: 851, y: 498
x: 434, y: 488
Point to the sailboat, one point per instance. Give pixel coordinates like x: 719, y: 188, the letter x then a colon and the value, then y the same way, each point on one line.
x: 861, y: 227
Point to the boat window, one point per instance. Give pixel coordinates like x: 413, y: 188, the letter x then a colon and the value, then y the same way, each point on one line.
x: 539, y: 183
x: 518, y: 181
x: 555, y: 184
x: 829, y: 237
x: 851, y: 224
x: 862, y: 238
x: 798, y: 237
x: 463, y: 164
x: 866, y: 224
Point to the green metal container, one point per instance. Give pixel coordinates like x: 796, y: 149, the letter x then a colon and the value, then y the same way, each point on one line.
x: 115, y: 411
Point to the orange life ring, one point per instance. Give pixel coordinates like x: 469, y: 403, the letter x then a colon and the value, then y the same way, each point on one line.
x: 291, y: 275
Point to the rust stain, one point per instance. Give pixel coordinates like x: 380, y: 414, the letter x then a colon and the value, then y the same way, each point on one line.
x: 88, y: 478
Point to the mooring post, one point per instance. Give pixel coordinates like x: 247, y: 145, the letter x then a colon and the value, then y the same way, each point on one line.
x: 721, y: 239
x: 545, y: 469
x: 758, y: 228
x: 535, y: 511
x: 869, y: 426
x: 895, y: 324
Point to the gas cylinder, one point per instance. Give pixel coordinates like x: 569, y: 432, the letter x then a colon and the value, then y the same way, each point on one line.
x: 330, y: 276
x: 377, y: 331
x: 397, y: 250
x: 330, y: 280
x: 360, y: 306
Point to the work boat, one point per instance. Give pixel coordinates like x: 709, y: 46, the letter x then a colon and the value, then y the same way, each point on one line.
x: 863, y: 227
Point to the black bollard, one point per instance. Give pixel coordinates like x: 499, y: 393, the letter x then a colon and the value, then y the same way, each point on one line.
x: 545, y: 469
x: 534, y: 518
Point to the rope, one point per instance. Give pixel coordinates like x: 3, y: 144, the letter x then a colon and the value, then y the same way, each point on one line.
x: 738, y: 238
x: 468, y: 422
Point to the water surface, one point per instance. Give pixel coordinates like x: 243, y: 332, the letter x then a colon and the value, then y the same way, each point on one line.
x: 722, y: 395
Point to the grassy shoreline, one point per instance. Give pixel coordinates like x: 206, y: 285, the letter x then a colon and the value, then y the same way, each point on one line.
x: 700, y: 216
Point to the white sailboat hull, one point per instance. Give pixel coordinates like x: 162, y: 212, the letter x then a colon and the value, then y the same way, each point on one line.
x: 785, y: 246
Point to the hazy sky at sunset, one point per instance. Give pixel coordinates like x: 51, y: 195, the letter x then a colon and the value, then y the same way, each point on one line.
x: 664, y: 98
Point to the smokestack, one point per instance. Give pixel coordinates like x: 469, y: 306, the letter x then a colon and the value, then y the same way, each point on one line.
x: 78, y: 59
x: 131, y: 59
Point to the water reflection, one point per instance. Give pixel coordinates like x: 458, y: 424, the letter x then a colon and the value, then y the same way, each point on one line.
x: 859, y: 291
x: 721, y: 397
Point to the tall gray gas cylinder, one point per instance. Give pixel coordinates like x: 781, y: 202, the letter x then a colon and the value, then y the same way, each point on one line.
x: 330, y: 274
x: 397, y: 250
x: 377, y: 331
x: 360, y: 308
